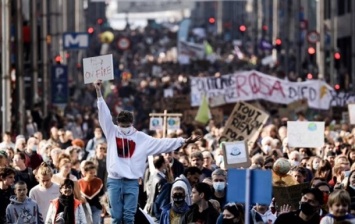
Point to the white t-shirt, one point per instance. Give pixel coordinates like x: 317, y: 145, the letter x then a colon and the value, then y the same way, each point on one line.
x: 44, y: 196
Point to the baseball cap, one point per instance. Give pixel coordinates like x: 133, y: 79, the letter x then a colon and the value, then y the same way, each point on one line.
x: 318, y: 195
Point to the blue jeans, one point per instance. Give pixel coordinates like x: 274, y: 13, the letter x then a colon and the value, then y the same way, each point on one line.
x: 123, y: 199
x: 96, y: 214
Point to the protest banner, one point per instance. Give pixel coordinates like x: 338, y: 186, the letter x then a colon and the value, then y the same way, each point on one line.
x: 290, y: 195
x: 236, y: 154
x: 173, y: 123
x: 305, y: 134
x: 216, y: 101
x: 98, y: 68
x: 351, y: 113
x: 243, y: 123
x: 253, y: 85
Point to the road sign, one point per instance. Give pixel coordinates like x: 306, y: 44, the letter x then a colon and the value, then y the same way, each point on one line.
x: 123, y: 43
x: 73, y: 41
x: 59, y: 84
x: 313, y: 37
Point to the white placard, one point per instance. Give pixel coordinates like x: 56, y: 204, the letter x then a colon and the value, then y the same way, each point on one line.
x: 236, y: 154
x: 173, y: 123
x: 98, y: 68
x: 305, y: 134
x: 351, y: 109
x: 156, y: 123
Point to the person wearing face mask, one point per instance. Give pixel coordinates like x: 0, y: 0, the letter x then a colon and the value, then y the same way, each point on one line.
x: 219, y: 180
x: 307, y: 213
x: 66, y: 209
x: 127, y: 152
x: 232, y: 215
x: 172, y: 212
x: 157, y: 180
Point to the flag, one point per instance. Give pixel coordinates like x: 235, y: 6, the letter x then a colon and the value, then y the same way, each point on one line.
x: 203, y: 113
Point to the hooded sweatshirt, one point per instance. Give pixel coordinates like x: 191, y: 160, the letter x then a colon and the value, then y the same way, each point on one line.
x: 127, y: 153
x: 26, y: 212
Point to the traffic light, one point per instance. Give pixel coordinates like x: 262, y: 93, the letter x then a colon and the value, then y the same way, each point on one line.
x: 311, y: 54
x: 58, y: 59
x: 265, y: 28
x: 211, y: 20
x: 337, y: 87
x: 278, y: 44
x: 100, y: 21
x: 91, y: 30
x: 242, y: 28
x: 337, y: 57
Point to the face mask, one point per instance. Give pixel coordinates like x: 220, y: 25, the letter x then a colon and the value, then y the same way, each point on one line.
x: 266, y: 149
x: 126, y: 131
x: 294, y: 163
x: 227, y: 221
x: 219, y: 186
x: 34, y: 148
x: 178, y: 198
x: 315, y: 166
x: 307, y: 208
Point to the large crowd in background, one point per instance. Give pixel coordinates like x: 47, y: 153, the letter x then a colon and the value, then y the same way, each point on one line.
x: 56, y: 171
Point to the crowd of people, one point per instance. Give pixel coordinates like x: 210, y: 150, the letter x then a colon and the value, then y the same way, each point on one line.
x: 80, y: 165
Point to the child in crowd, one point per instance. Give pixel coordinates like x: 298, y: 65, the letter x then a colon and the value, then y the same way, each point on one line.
x: 338, y: 204
x: 22, y: 209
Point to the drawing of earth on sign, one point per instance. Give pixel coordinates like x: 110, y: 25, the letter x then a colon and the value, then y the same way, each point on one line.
x: 312, y: 126
x: 235, y: 151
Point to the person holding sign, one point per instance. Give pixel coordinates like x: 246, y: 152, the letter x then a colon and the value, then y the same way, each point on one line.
x: 127, y: 154
x: 310, y: 204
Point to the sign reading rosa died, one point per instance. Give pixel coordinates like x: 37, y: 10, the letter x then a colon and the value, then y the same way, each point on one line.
x: 253, y: 85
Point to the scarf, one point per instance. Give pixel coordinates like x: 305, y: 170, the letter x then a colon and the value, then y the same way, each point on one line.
x: 181, y: 209
x: 66, y: 205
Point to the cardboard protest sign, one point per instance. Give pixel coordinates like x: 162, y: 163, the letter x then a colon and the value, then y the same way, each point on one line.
x: 98, y: 68
x: 305, y: 134
x: 243, y: 123
x: 290, y: 195
x: 351, y: 111
x: 236, y: 154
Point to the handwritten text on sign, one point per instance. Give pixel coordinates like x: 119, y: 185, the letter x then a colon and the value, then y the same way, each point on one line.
x: 253, y: 85
x: 243, y: 123
x: 98, y: 68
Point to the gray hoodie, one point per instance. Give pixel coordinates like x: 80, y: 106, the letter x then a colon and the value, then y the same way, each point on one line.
x: 26, y: 212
